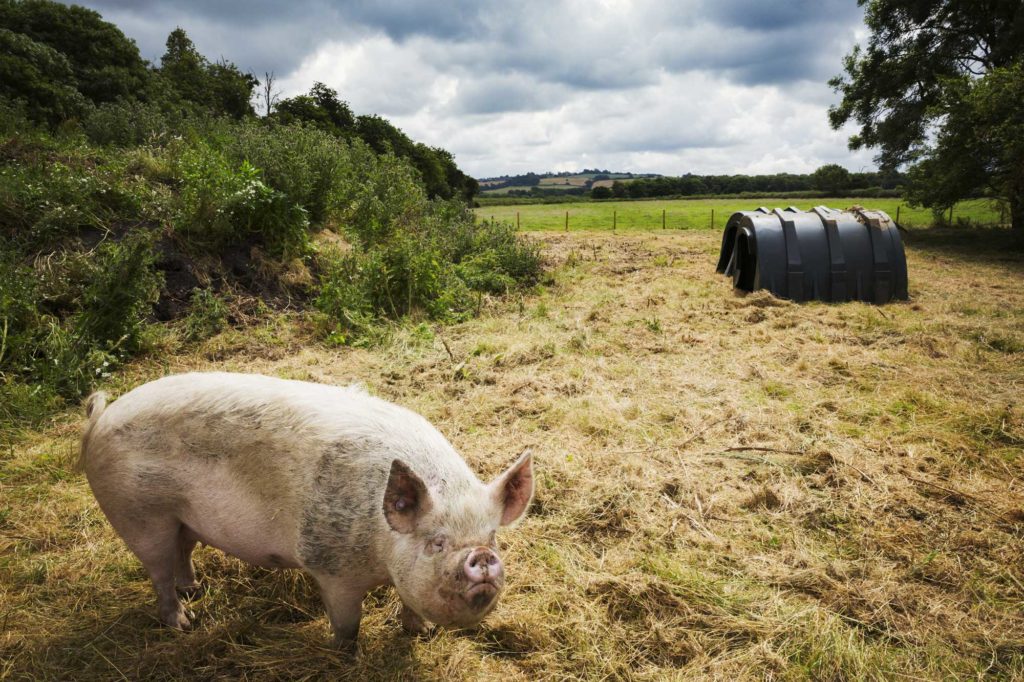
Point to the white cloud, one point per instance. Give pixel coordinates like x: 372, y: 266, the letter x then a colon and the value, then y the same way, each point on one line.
x: 704, y: 86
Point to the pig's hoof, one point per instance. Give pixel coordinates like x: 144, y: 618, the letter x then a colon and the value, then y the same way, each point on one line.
x: 190, y: 591
x: 412, y: 623
x: 177, y: 620
x: 347, y: 645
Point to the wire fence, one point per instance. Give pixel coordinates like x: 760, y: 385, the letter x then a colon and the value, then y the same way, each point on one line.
x: 694, y: 215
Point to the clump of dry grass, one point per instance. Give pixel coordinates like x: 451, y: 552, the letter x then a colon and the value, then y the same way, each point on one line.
x: 728, y: 487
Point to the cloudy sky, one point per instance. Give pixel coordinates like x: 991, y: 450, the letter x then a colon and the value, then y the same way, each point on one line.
x: 703, y: 86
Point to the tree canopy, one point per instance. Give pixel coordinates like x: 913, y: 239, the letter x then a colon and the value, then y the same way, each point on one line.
x: 322, y: 108
x: 920, y: 93
x: 220, y: 87
x: 105, y: 63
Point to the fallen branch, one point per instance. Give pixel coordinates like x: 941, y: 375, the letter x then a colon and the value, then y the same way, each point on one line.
x: 979, y: 503
x: 700, y: 433
x: 761, y: 449
x: 448, y: 348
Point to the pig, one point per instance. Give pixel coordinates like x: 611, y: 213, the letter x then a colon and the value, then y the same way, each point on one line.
x: 357, y: 491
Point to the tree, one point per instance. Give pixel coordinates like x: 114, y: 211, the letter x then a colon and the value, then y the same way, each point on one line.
x: 981, y: 146
x: 601, y: 192
x: 106, y: 64
x: 831, y: 178
x: 914, y: 84
x: 268, y: 94
x: 321, y: 107
x: 39, y: 77
x: 221, y: 88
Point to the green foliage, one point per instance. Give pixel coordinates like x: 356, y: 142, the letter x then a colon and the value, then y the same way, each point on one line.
x: 437, y: 268
x: 831, y: 178
x: 39, y: 77
x: 50, y: 191
x: 981, y: 146
x: 105, y: 64
x: 125, y: 123
x: 910, y: 92
x: 311, y: 167
x: 220, y: 203
x: 321, y: 108
x: 63, y: 330
x: 207, y: 315
x: 187, y: 76
x: 120, y: 292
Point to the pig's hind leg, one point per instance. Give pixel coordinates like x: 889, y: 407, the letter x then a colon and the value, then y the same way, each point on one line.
x: 185, y: 573
x: 156, y: 541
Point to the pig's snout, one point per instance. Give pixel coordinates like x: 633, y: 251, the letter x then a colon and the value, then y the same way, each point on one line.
x: 483, y: 566
x: 485, y: 574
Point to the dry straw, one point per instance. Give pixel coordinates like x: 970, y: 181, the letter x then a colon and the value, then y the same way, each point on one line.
x: 728, y: 487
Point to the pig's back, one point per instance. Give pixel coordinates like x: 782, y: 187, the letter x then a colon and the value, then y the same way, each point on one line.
x: 273, y: 431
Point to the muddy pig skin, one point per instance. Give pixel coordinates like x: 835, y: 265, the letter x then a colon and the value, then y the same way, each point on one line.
x: 357, y: 491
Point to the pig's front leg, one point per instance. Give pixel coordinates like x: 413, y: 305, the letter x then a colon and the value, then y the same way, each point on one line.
x: 344, y: 604
x: 412, y: 622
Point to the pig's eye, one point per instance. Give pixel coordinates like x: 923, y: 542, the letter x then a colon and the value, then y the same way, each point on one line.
x: 438, y: 544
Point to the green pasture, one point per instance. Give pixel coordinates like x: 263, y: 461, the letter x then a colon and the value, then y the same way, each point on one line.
x: 690, y: 214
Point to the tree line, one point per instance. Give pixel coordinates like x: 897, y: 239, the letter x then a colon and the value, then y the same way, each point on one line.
x: 830, y: 179
x: 63, y: 64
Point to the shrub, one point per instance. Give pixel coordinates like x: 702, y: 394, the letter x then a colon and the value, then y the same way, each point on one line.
x: 208, y: 315
x: 63, y: 331
x: 125, y: 123
x: 219, y: 204
x: 308, y: 166
x: 429, y: 262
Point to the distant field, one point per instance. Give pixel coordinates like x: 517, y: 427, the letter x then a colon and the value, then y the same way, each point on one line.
x: 695, y: 214
x: 555, y: 182
x: 565, y: 181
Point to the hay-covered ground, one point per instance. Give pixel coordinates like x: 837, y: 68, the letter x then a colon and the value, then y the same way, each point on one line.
x: 728, y: 487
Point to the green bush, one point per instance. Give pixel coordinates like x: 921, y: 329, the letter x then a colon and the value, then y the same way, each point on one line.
x: 207, y: 315
x: 125, y: 123
x: 310, y: 167
x: 220, y: 204
x: 427, y: 258
x: 63, y: 331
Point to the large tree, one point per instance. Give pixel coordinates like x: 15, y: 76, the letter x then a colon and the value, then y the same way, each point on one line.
x: 105, y: 63
x: 221, y: 87
x: 933, y: 83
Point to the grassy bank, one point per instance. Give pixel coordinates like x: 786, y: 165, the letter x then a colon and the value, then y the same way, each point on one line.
x: 109, y: 251
x: 728, y: 487
x: 688, y: 214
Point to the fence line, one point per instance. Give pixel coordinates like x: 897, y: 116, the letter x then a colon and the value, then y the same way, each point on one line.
x: 566, y: 220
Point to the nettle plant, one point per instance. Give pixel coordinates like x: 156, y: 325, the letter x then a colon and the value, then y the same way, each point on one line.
x: 220, y: 204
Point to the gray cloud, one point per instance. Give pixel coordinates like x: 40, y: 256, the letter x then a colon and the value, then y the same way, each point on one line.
x: 540, y: 83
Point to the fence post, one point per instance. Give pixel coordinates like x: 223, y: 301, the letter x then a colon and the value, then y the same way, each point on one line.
x: 663, y: 219
x: 615, y: 219
x: 517, y: 220
x: 492, y: 220
x: 712, y: 219
x: 898, y: 213
x: 566, y: 221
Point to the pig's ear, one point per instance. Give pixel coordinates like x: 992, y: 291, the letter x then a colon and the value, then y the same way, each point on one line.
x: 513, y: 489
x: 406, y: 498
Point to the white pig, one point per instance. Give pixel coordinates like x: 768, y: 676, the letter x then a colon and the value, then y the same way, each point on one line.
x: 357, y: 491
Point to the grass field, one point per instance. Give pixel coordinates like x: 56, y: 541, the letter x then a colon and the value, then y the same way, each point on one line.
x: 696, y: 213
x: 729, y: 487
